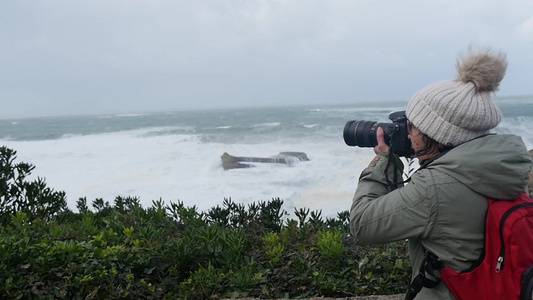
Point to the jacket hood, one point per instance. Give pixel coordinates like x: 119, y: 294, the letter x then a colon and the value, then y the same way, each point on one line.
x: 496, y: 166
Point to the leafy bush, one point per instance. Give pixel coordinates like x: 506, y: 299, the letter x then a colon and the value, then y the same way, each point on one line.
x: 17, y: 194
x: 122, y: 250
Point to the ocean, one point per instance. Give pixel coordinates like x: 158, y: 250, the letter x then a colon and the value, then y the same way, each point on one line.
x: 175, y: 156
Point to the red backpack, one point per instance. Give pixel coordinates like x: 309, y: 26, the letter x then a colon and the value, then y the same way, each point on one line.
x: 505, y: 271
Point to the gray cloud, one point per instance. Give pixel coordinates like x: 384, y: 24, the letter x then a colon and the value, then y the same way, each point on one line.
x: 66, y: 57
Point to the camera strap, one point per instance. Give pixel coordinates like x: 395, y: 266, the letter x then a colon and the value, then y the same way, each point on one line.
x: 394, y: 161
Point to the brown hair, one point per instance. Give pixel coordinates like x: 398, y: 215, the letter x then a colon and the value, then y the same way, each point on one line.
x: 431, y: 146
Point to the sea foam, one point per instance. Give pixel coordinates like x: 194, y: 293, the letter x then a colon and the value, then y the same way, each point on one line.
x: 176, y: 156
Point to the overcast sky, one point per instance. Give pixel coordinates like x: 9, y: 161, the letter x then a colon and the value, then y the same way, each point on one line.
x: 76, y: 57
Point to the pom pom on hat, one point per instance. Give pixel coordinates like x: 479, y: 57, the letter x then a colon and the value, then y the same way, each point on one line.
x: 456, y: 111
x: 485, y: 70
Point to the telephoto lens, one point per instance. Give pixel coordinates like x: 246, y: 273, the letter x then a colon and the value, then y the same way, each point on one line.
x: 364, y: 134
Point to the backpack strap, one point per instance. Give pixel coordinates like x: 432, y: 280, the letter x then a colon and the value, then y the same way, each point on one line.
x: 426, y: 276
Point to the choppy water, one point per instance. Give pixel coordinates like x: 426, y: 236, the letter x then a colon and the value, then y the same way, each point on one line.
x: 176, y: 155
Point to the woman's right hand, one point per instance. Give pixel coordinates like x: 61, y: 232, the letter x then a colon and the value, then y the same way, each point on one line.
x: 381, y: 147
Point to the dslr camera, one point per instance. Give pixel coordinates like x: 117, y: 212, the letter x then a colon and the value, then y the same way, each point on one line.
x: 363, y: 134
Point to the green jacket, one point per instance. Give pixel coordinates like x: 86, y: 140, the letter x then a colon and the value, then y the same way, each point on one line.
x: 443, y: 206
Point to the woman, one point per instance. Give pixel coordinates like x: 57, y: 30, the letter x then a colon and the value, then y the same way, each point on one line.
x: 442, y: 208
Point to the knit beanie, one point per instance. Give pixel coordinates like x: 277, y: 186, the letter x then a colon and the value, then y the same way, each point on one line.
x: 456, y: 111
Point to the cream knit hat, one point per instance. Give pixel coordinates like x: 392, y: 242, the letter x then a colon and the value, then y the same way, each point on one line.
x: 456, y: 111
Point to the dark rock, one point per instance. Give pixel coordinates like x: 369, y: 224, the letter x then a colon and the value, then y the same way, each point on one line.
x: 238, y: 162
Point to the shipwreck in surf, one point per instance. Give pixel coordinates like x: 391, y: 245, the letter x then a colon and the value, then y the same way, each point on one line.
x: 238, y: 162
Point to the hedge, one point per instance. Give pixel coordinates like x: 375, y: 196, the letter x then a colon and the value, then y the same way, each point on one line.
x: 125, y: 251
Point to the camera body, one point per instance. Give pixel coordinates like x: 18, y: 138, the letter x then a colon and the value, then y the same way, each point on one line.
x: 363, y: 134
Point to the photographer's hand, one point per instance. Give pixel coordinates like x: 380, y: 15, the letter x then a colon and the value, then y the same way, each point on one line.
x: 382, y: 147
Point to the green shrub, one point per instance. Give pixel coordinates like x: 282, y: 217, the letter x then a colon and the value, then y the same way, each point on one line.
x: 19, y: 195
x: 141, y: 253
x: 125, y: 251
